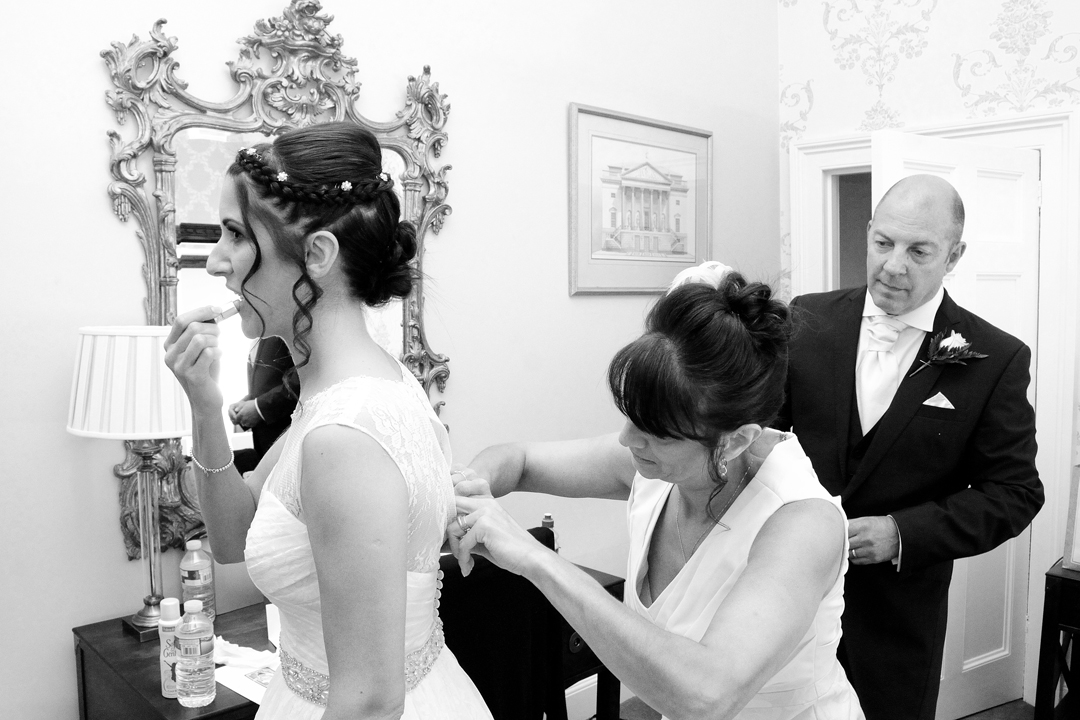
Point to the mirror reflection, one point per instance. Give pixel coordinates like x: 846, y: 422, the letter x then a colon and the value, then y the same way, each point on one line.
x: 169, y: 155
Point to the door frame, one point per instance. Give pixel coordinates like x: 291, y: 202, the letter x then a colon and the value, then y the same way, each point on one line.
x: 814, y: 167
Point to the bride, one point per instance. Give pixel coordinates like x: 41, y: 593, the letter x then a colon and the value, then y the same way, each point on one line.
x: 342, y: 521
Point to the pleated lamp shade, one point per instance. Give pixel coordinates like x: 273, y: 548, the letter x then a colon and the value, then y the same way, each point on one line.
x: 122, y: 389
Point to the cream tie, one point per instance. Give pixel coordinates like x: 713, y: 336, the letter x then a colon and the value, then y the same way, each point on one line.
x: 879, y: 371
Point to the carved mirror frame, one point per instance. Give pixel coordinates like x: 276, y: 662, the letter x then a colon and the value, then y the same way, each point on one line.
x: 290, y: 73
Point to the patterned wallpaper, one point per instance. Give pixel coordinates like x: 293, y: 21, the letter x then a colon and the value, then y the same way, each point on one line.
x: 851, y: 66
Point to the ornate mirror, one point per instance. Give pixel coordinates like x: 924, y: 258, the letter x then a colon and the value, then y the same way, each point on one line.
x: 290, y: 73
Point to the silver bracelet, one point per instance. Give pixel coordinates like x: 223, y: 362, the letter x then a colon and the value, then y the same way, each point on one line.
x: 214, y: 471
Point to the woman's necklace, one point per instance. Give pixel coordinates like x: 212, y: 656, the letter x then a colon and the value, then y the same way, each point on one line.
x: 731, y: 499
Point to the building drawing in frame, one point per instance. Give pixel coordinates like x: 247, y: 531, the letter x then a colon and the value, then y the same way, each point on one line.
x: 640, y: 209
x: 643, y: 197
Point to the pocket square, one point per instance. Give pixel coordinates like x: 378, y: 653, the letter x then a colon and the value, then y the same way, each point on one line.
x: 940, y: 401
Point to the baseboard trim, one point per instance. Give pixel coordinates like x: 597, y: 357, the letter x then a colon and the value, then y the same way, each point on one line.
x: 581, y: 699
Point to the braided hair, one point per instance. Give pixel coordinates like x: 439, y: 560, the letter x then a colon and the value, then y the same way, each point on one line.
x: 328, y: 177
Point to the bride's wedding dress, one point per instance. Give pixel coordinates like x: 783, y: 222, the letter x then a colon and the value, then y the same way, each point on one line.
x: 398, y: 415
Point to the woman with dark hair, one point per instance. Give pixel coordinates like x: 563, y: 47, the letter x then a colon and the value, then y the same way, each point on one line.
x: 342, y: 521
x: 734, y: 584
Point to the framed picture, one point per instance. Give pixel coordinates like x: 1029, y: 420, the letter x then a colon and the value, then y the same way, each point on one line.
x: 1071, y: 558
x: 640, y: 201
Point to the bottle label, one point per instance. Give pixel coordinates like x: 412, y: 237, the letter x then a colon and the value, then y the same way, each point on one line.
x: 194, y: 647
x: 196, y: 577
x: 168, y: 662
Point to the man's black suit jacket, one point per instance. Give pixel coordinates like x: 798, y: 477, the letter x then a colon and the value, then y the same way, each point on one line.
x: 958, y: 482
x: 267, y: 386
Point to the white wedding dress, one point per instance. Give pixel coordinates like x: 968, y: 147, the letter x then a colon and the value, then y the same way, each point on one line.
x: 398, y: 415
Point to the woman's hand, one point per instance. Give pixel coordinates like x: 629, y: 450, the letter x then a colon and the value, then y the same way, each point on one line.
x: 484, y: 527
x: 193, y: 355
x: 467, y: 483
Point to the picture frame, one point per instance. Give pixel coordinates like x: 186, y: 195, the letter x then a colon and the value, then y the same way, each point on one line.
x: 640, y: 201
x: 1071, y: 558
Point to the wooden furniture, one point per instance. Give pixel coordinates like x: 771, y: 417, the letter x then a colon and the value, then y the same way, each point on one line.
x: 118, y: 676
x: 1061, y: 626
x: 579, y: 662
x: 119, y: 679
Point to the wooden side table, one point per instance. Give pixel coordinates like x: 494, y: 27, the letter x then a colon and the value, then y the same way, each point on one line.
x: 119, y: 679
x: 1061, y: 626
x: 118, y: 675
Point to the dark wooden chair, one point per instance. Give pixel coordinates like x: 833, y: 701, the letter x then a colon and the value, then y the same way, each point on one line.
x: 506, y: 636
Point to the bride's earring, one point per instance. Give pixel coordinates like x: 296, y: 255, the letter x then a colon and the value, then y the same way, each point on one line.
x: 723, y: 467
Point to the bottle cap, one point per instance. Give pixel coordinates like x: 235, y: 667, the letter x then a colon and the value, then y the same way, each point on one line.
x: 193, y: 606
x: 194, y: 545
x: 170, y: 610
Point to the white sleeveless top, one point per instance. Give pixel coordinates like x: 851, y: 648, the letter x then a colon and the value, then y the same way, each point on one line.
x: 811, y: 684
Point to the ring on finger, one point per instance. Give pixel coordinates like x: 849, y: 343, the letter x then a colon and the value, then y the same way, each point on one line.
x: 462, y: 524
x: 854, y: 553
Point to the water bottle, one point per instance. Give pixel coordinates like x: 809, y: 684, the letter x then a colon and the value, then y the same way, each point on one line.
x: 195, y: 685
x: 167, y: 622
x: 197, y: 577
x: 549, y: 522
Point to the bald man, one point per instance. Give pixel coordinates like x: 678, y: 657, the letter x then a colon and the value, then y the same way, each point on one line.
x: 932, y: 460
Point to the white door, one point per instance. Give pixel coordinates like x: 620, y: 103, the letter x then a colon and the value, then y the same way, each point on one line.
x: 997, y: 279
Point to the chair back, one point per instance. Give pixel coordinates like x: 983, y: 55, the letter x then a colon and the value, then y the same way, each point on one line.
x: 506, y: 636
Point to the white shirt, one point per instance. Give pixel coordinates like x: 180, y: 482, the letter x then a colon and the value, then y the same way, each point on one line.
x: 919, y: 322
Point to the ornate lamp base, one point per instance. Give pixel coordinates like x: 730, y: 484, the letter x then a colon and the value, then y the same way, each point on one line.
x: 144, y: 624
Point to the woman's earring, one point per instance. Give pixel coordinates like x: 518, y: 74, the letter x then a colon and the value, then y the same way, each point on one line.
x: 723, y: 467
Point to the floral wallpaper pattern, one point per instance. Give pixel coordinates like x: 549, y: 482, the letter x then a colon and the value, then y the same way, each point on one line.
x: 864, y: 65
x: 874, y: 39
x: 1019, y: 81
x: 796, y: 102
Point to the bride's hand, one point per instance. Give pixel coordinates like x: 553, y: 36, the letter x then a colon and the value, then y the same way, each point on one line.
x: 484, y: 527
x: 193, y: 355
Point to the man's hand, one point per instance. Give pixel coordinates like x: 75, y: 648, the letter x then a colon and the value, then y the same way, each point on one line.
x: 244, y: 414
x: 873, y: 540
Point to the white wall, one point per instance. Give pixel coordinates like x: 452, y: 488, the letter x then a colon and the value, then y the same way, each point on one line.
x: 527, y: 361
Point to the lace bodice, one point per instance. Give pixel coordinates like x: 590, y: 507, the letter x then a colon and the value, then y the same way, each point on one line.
x: 397, y: 415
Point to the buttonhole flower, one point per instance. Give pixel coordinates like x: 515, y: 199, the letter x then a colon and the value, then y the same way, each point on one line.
x: 951, y: 350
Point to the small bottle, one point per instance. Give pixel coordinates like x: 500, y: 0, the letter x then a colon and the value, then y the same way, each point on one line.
x: 549, y: 522
x: 170, y: 618
x: 197, y: 577
x: 195, y: 684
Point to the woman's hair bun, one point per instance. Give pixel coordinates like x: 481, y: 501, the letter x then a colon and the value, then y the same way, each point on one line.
x: 400, y: 274
x: 767, y: 318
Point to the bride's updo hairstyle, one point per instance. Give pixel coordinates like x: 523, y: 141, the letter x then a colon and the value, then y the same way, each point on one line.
x: 328, y: 177
x: 713, y: 358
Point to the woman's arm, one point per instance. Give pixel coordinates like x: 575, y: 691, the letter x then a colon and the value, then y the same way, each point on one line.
x: 356, y: 507
x: 792, y: 564
x: 595, y: 467
x: 226, y: 501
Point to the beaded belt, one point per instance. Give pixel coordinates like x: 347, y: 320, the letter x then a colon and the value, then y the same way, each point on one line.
x: 314, y: 686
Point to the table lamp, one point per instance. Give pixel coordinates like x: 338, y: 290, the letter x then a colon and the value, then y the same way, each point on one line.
x: 122, y: 390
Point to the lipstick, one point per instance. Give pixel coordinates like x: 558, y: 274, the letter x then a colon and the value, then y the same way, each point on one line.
x: 227, y: 311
